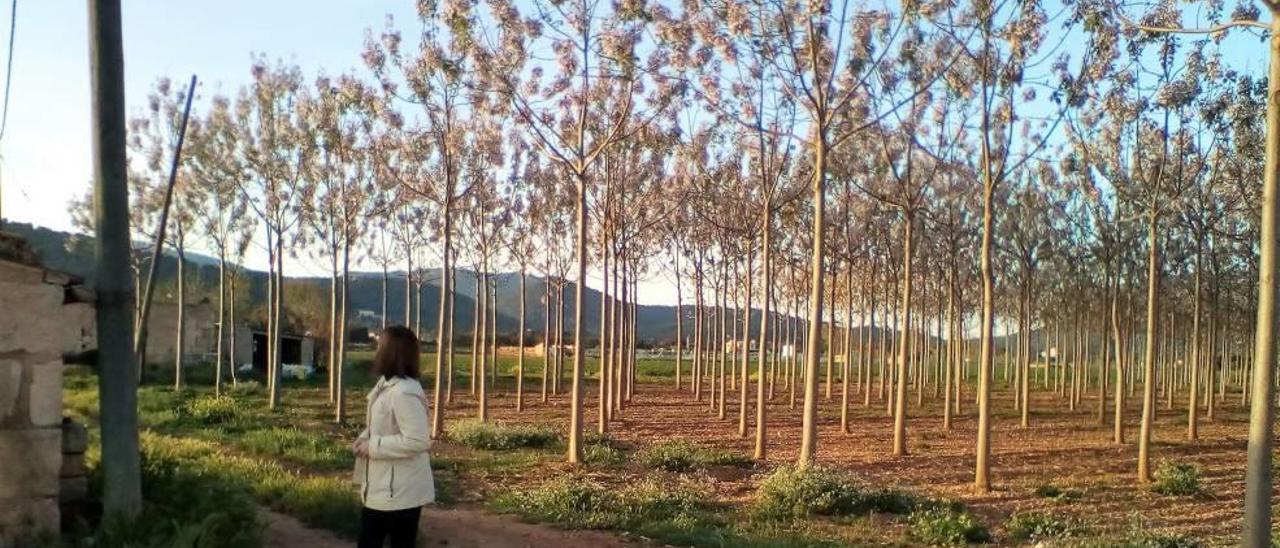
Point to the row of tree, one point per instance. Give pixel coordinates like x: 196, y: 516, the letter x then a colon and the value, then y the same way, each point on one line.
x: 927, y: 168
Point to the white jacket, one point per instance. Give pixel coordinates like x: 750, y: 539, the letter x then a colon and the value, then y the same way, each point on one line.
x: 397, y: 473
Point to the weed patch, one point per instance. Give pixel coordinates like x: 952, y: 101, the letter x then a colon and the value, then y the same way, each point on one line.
x: 1177, y: 479
x: 601, y: 451
x: 1059, y: 494
x: 947, y: 527
x: 322, y: 502
x: 684, y: 456
x: 495, y: 436
x: 312, y: 449
x: 1036, y: 526
x: 791, y: 493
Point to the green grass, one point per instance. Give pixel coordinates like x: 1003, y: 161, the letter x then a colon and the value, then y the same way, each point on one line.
x: 1177, y: 479
x: 947, y: 527
x: 1039, y: 526
x: 685, y: 456
x: 497, y: 436
x: 602, y: 451
x: 322, y: 502
x: 306, y: 448
x: 1058, y: 494
x: 678, y: 514
x: 792, y: 493
x: 223, y: 515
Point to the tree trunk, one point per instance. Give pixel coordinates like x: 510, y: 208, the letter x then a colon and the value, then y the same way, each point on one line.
x: 476, y: 350
x: 449, y: 339
x: 904, y: 347
x: 444, y: 322
x: 333, y: 320
x: 575, y: 399
x: 546, y: 335
x: 478, y: 376
x: 809, y: 423
x: 222, y: 323
x: 1257, y: 498
x: 746, y: 350
x: 679, y: 323
x: 340, y: 389
x: 1149, y: 356
x: 520, y: 345
x: 982, y: 467
x: 180, y: 345
x: 767, y: 272
x: 606, y: 332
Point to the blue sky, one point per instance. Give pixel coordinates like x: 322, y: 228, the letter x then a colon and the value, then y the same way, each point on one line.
x: 45, y: 152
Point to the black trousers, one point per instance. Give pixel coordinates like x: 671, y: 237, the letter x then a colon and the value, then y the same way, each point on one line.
x: 401, y: 526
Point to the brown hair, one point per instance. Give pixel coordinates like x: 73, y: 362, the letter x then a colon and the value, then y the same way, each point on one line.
x: 397, y: 354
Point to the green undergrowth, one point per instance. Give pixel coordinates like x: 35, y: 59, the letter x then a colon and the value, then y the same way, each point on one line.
x: 1059, y: 494
x: 793, y: 493
x: 685, y: 456
x: 323, y: 502
x: 1040, y: 526
x: 677, y: 514
x: 939, y: 526
x: 299, y: 446
x: 1177, y: 479
x: 498, y: 436
x: 601, y: 451
x: 223, y: 515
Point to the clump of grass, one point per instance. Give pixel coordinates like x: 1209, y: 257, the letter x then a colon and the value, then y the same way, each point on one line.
x: 684, y: 456
x: 1035, y: 526
x: 308, y: 448
x: 667, y: 512
x: 244, y: 388
x: 495, y: 436
x: 601, y: 451
x: 1139, y: 537
x: 210, y: 410
x: 323, y: 502
x: 791, y: 493
x: 222, y: 516
x: 1177, y: 479
x: 1058, y: 494
x: 947, y: 527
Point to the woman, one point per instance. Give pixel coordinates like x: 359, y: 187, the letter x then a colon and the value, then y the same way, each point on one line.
x: 392, y: 466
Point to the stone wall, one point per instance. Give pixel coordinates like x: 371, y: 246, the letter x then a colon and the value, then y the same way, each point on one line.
x: 199, y: 332
x: 36, y: 327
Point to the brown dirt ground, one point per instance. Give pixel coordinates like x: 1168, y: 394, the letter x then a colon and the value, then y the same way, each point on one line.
x: 453, y: 527
x: 1066, y: 449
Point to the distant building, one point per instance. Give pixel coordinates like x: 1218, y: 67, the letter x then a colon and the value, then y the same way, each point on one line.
x: 200, y: 332
x: 251, y: 349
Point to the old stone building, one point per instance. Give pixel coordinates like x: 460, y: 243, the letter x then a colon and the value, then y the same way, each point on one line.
x: 199, y: 333
x: 40, y: 313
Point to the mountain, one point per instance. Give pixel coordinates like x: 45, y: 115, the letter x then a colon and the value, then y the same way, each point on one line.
x: 73, y: 254
x: 655, y: 323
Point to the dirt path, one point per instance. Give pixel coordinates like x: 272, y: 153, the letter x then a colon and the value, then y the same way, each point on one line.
x: 459, y: 528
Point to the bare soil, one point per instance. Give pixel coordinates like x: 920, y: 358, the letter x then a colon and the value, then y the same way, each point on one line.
x: 454, y: 527
x: 1061, y: 448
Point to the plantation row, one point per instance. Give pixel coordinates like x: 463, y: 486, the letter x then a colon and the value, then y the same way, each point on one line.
x: 242, y: 455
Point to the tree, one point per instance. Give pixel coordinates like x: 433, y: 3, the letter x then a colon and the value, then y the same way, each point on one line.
x: 222, y: 216
x: 596, y: 52
x: 276, y: 154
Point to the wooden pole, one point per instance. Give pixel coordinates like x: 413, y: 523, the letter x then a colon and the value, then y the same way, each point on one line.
x: 117, y: 382
x: 140, y: 338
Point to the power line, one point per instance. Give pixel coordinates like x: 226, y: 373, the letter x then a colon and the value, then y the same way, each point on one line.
x: 8, y: 71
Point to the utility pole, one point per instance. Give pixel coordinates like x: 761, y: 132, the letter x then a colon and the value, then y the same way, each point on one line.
x: 117, y: 382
